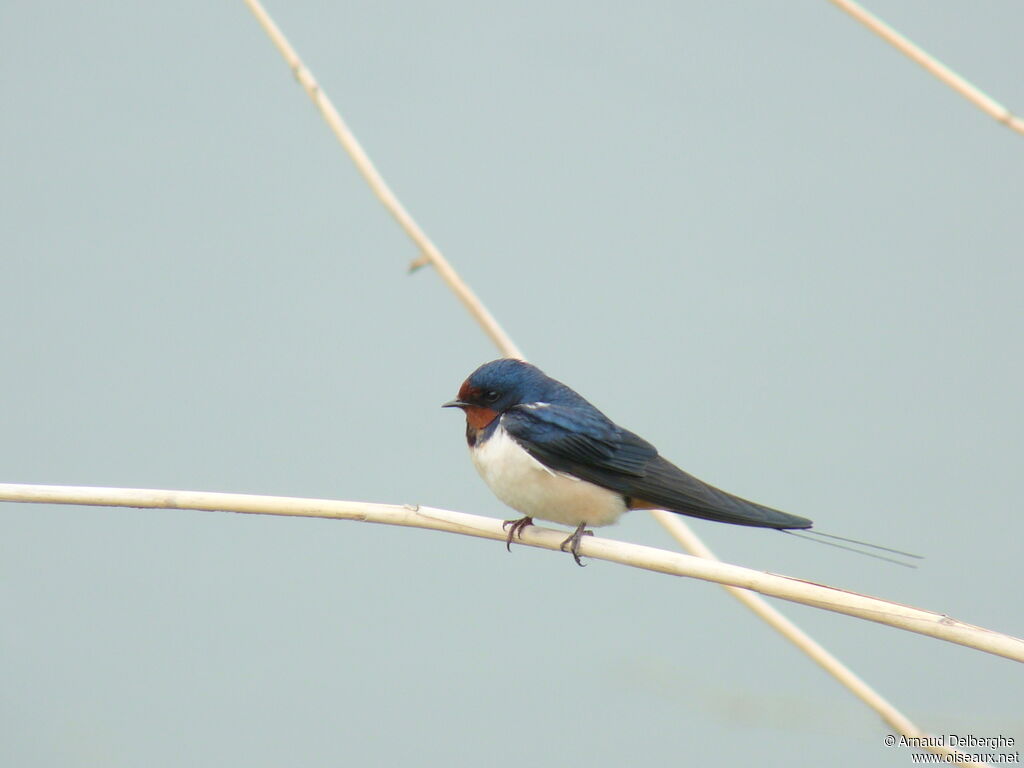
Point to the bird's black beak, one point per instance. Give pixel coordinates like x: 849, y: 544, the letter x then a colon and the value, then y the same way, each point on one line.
x: 456, y: 403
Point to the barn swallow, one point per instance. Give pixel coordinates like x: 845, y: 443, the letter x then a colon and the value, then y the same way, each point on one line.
x: 549, y: 454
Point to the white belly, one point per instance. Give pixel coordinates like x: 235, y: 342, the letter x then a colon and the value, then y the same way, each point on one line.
x: 529, y: 487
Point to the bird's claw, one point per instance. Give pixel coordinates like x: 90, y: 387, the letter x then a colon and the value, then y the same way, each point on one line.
x: 573, y: 543
x: 515, y: 528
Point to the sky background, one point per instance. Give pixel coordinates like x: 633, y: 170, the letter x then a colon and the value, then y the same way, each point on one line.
x: 750, y: 232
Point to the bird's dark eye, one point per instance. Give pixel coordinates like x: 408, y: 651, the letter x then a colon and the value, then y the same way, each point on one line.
x: 491, y: 396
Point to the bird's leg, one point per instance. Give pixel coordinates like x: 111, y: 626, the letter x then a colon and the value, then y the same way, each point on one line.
x: 573, y: 542
x: 515, y: 528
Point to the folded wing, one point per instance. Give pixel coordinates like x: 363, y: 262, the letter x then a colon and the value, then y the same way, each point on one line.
x: 586, y: 444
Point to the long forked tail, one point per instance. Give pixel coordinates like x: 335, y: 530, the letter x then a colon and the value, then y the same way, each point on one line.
x: 665, y: 486
x: 809, y: 535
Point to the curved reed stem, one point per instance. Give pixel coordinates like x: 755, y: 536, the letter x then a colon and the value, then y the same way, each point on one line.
x: 648, y: 558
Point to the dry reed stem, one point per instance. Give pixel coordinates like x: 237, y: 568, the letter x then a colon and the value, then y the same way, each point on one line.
x: 982, y: 101
x: 677, y: 528
x: 387, y: 198
x: 923, y: 622
x: 833, y: 666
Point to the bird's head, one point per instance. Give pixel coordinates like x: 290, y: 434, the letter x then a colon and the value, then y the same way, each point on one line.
x: 495, y: 387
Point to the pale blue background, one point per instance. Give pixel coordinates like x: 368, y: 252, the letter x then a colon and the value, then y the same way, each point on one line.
x: 749, y: 231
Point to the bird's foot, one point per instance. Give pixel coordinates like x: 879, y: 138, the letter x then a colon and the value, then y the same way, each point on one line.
x: 573, y: 542
x: 515, y: 528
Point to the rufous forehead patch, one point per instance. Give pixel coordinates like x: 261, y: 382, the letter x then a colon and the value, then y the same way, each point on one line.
x: 467, y: 392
